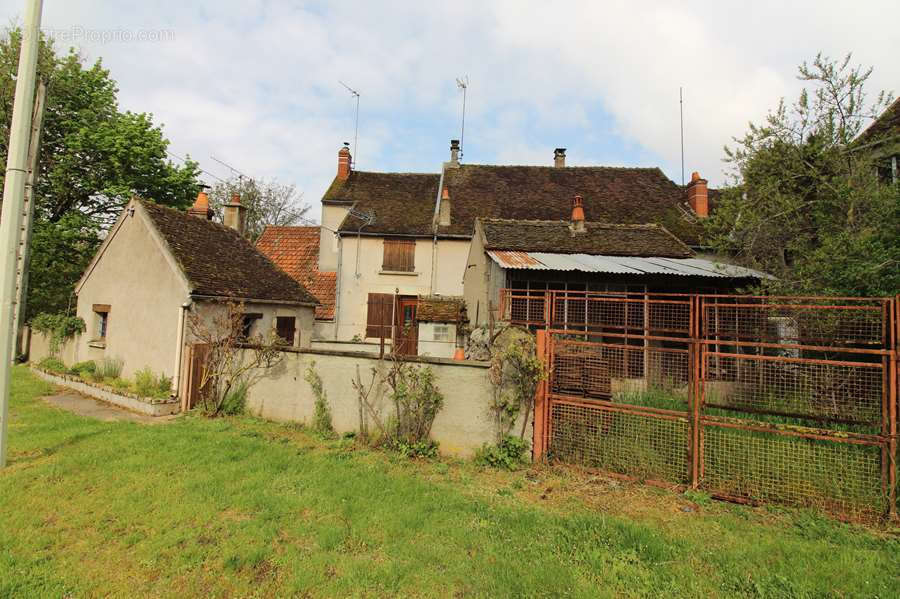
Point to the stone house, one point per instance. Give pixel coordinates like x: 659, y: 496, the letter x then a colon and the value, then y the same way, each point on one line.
x: 156, y: 264
x: 396, y: 241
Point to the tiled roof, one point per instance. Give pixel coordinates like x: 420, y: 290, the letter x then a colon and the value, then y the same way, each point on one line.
x: 404, y: 204
x: 887, y: 123
x: 598, y: 238
x: 296, y: 251
x: 440, y: 308
x: 220, y: 263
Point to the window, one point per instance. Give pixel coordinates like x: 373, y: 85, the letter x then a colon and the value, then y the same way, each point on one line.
x: 399, y: 255
x: 441, y: 332
x: 101, y: 319
x: 247, y: 324
x: 379, y: 315
x: 285, y: 328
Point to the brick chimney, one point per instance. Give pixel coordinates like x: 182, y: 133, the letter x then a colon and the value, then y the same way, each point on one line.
x: 578, y: 214
x: 697, y: 195
x: 201, y: 208
x: 559, y: 157
x: 234, y: 214
x: 343, y: 163
x: 444, y: 214
x: 454, y: 152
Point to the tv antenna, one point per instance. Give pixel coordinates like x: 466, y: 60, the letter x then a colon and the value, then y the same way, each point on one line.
x: 463, y: 84
x: 241, y: 176
x: 355, y: 94
x: 681, y: 116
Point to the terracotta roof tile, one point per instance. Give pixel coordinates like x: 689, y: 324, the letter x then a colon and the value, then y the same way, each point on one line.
x: 296, y: 251
x: 598, y: 239
x: 220, y: 263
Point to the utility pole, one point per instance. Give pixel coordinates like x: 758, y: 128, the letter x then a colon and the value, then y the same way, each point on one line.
x: 24, y: 258
x: 13, y: 201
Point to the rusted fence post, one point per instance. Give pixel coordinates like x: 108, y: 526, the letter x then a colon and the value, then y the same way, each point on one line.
x: 539, y: 442
x: 695, y: 389
x: 892, y: 405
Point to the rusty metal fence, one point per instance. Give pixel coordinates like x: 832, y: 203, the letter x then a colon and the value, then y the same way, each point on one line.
x: 753, y: 399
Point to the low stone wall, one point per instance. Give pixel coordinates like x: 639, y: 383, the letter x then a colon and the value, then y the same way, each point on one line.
x: 463, y: 425
x: 142, y: 405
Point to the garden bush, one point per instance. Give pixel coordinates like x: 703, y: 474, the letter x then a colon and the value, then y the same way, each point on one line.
x: 52, y: 364
x: 84, y: 369
x: 508, y: 454
x: 147, y: 384
x: 235, y: 401
x: 108, y: 368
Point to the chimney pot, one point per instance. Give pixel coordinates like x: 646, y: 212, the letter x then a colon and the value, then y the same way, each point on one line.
x: 343, y: 171
x: 578, y: 214
x: 698, y: 195
x: 559, y: 157
x: 201, y: 208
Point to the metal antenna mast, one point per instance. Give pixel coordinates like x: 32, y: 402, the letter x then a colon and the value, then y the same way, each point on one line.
x: 355, y: 154
x: 463, y: 84
x: 681, y: 114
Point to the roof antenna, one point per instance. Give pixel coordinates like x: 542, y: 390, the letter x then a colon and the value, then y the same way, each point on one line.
x: 463, y: 84
x: 681, y: 114
x: 355, y: 154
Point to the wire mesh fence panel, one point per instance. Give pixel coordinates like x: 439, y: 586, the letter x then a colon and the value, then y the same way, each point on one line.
x: 824, y: 391
x: 766, y: 466
x: 791, y: 400
x: 820, y: 321
x: 639, y: 445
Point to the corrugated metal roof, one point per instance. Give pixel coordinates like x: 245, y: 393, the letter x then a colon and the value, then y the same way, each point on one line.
x: 621, y: 265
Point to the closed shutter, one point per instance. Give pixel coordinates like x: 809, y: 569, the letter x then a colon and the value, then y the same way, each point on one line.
x: 285, y: 328
x: 399, y: 255
x: 378, y: 317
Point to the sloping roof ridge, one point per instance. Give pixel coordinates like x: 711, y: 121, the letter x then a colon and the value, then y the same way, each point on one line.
x: 181, y: 214
x: 564, y: 168
x: 594, y: 223
x: 402, y: 173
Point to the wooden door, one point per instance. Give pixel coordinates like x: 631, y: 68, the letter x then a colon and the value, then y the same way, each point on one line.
x: 407, y: 343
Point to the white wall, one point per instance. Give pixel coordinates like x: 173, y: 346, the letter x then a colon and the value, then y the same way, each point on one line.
x: 463, y: 425
x: 450, y: 264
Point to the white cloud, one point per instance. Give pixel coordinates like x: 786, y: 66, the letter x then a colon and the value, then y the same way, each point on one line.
x: 255, y: 83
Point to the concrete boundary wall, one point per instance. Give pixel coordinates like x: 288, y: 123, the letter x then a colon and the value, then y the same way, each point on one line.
x: 463, y: 425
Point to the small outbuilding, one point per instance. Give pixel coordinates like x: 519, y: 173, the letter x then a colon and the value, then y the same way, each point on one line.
x: 156, y: 264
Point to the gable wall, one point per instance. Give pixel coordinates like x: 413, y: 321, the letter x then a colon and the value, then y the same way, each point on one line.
x: 144, y: 294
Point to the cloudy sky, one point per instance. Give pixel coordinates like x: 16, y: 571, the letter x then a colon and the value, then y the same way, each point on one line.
x: 255, y: 83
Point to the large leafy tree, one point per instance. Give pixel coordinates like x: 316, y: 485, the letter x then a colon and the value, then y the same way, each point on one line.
x: 805, y: 202
x: 93, y: 159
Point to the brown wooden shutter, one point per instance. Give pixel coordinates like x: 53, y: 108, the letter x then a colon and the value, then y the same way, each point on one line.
x: 399, y: 255
x: 378, y: 317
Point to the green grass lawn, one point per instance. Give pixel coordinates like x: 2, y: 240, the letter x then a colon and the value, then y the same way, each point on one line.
x: 240, y: 507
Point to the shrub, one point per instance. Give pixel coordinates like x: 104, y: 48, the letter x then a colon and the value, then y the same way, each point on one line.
x: 108, y: 368
x: 321, y: 423
x: 508, y: 454
x: 418, y: 449
x: 147, y: 384
x: 83, y: 369
x: 53, y: 365
x: 59, y: 327
x: 235, y: 401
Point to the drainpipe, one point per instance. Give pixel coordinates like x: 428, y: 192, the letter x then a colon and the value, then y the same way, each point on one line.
x: 337, y: 286
x: 176, y: 379
x: 434, y: 227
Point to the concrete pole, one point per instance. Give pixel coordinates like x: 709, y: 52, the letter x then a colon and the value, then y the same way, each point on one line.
x: 13, y: 201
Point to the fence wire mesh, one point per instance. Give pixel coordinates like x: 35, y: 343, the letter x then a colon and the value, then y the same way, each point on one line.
x: 791, y: 400
x: 640, y: 445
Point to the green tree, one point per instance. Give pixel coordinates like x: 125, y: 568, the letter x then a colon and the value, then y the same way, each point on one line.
x: 93, y: 159
x: 805, y: 204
